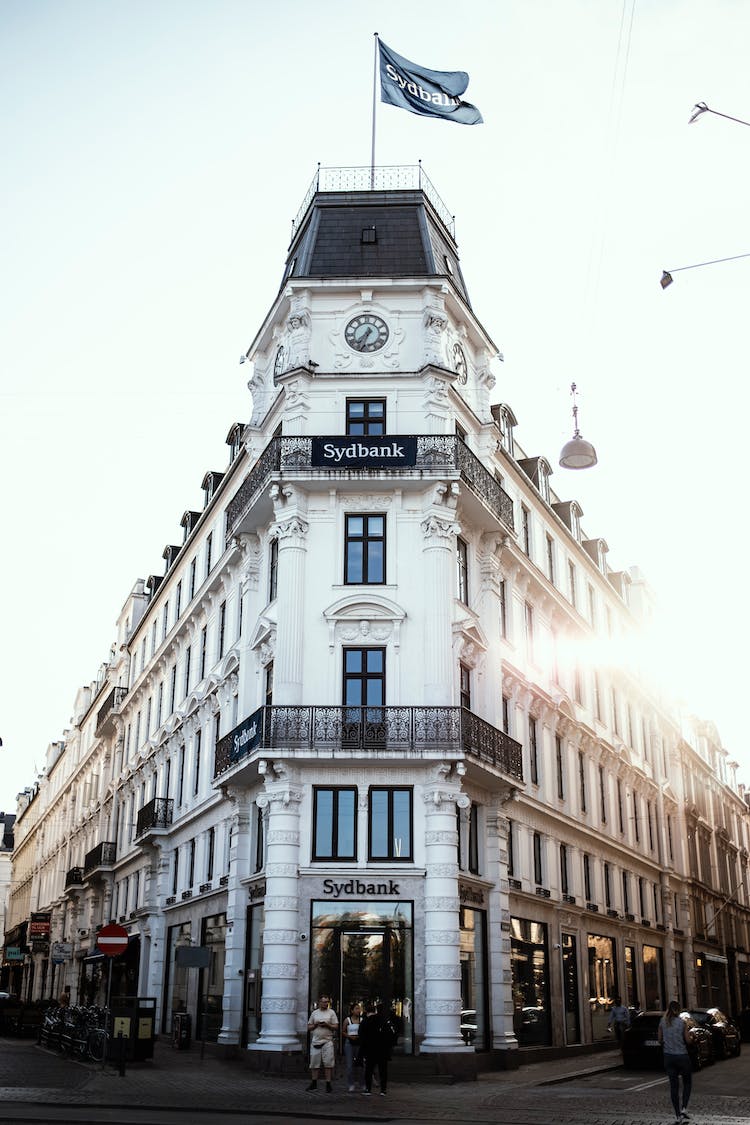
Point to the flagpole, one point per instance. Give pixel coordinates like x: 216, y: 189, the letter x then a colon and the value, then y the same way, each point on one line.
x: 374, y: 105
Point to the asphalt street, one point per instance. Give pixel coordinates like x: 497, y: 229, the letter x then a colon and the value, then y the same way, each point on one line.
x: 179, y: 1087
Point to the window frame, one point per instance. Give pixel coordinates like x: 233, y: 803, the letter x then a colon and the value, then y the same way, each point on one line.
x: 335, y: 854
x: 366, y: 538
x: 369, y: 424
x: 390, y: 857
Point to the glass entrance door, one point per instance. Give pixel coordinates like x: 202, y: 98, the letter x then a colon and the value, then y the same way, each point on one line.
x: 363, y: 954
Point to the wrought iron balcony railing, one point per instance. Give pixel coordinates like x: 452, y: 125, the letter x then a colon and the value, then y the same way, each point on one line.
x: 103, y: 855
x: 156, y: 815
x: 345, y: 729
x: 110, y: 705
x: 74, y: 877
x: 433, y: 451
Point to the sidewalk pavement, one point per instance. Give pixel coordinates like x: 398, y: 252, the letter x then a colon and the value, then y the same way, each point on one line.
x: 215, y: 1085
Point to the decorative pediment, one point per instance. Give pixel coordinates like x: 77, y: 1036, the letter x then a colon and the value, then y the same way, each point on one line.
x: 364, y: 617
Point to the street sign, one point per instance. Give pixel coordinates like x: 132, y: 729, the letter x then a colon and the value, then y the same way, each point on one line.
x: 112, y: 940
x: 62, y: 951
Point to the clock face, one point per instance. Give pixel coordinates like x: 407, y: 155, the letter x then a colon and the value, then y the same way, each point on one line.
x: 460, y: 365
x: 278, y: 363
x: 366, y: 333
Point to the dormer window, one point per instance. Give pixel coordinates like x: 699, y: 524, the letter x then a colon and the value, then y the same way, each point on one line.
x: 188, y: 522
x: 538, y: 470
x: 234, y: 440
x: 570, y: 513
x: 210, y: 483
x: 505, y: 420
x: 597, y: 550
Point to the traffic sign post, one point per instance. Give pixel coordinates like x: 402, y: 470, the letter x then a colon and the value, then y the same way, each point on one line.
x: 111, y: 941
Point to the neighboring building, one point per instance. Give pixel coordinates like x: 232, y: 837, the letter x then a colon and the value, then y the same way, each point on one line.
x: 6, y: 851
x: 374, y: 730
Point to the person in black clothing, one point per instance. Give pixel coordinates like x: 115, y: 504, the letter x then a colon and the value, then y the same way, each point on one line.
x: 378, y: 1034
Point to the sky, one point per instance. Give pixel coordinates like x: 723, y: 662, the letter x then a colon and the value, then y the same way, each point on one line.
x: 154, y: 154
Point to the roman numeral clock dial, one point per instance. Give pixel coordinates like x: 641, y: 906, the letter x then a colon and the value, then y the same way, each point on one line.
x: 366, y: 333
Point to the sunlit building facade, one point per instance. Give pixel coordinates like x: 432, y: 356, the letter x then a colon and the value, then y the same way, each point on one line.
x: 379, y: 729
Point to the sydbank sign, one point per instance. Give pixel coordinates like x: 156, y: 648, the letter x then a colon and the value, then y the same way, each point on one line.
x: 246, y: 736
x: 363, y: 452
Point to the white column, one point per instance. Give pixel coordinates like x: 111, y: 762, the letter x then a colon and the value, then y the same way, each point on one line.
x: 281, y: 914
x: 234, y: 952
x: 498, y: 926
x: 442, y: 936
x: 287, y: 670
x: 438, y: 573
x: 155, y: 892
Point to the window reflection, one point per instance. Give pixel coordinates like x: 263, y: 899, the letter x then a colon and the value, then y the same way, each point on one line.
x: 530, y: 973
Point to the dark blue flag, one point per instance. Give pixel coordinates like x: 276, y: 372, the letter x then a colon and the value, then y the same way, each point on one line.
x: 431, y: 93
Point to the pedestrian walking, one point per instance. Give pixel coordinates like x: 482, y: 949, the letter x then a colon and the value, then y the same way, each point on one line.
x: 619, y: 1019
x: 675, y: 1037
x: 378, y: 1035
x: 323, y: 1025
x: 351, y: 1046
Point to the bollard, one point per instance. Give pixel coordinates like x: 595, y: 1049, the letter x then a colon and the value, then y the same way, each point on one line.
x: 121, y: 1054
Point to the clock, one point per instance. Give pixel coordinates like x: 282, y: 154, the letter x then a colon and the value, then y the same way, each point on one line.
x: 366, y: 333
x: 278, y: 363
x: 460, y: 365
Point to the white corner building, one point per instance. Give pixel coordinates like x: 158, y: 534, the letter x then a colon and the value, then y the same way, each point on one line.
x: 368, y: 734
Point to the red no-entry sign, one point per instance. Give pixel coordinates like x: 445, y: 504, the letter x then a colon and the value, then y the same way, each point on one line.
x: 112, y: 940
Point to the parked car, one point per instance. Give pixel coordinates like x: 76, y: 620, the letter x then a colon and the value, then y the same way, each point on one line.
x: 641, y: 1048
x: 727, y: 1040
x: 469, y: 1025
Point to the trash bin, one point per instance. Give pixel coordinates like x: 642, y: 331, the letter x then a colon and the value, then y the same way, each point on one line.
x: 181, y: 1030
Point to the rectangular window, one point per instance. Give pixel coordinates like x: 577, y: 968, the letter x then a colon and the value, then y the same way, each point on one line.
x: 210, y: 854
x: 592, y: 606
x: 181, y: 776
x: 364, y: 677
x: 615, y: 715
x: 197, y: 773
x: 620, y: 815
x: 550, y: 558
x: 365, y: 416
x: 153, y: 637
x: 564, y: 869
x: 625, y: 892
x: 607, y: 887
x: 597, y: 695
x: 642, y: 897
x: 192, y: 580
x: 222, y: 627
x: 503, y: 609
x: 268, y: 691
x: 334, y: 823
x: 462, y: 571
x: 572, y: 583
x: 649, y: 813
x: 209, y: 552
x: 364, y: 550
x: 175, y: 870
x: 506, y: 715
x: 602, y: 797
x: 533, y: 753
x: 204, y: 650
x: 172, y: 688
x: 188, y: 654
x: 191, y: 862
x: 260, y: 840
x: 538, y: 865
x: 390, y: 824
x: 582, y: 779
x: 511, y: 848
x: 165, y: 621
x: 587, y: 877
x: 560, y: 766
x: 526, y: 530
x: 529, y: 620
x: 159, y: 703
x: 636, y: 819
x: 178, y: 602
x: 465, y: 686
x: 474, y: 839
x: 273, y: 570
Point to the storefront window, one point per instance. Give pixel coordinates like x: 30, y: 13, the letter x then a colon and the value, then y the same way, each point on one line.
x: 473, y: 978
x: 363, y: 952
x: 602, y: 983
x: 631, y: 979
x: 176, y: 978
x: 570, y: 988
x: 213, y: 937
x: 530, y: 972
x: 653, y: 976
x: 254, y: 960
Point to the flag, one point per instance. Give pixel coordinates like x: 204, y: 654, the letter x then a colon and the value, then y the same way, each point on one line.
x: 431, y: 93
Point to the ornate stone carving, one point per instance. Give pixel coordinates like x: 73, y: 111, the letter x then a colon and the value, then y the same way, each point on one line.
x: 279, y: 837
x: 443, y: 903
x: 278, y: 1004
x: 442, y: 972
x: 435, y: 837
x: 281, y: 870
x: 279, y: 937
x: 442, y: 870
x: 443, y: 1007
x: 279, y: 971
x: 280, y: 902
x: 437, y: 532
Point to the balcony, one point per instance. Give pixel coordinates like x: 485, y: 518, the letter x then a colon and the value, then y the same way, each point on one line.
x: 154, y: 818
x: 99, y: 858
x: 74, y: 878
x: 417, y: 457
x: 109, y: 709
x: 382, y: 732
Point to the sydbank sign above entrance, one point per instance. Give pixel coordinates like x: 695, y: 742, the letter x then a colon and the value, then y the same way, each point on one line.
x: 363, y: 453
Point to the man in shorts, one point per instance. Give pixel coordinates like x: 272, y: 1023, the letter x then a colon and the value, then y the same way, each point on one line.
x: 322, y: 1025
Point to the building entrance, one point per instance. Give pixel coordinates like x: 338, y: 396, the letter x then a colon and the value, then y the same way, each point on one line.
x: 362, y: 953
